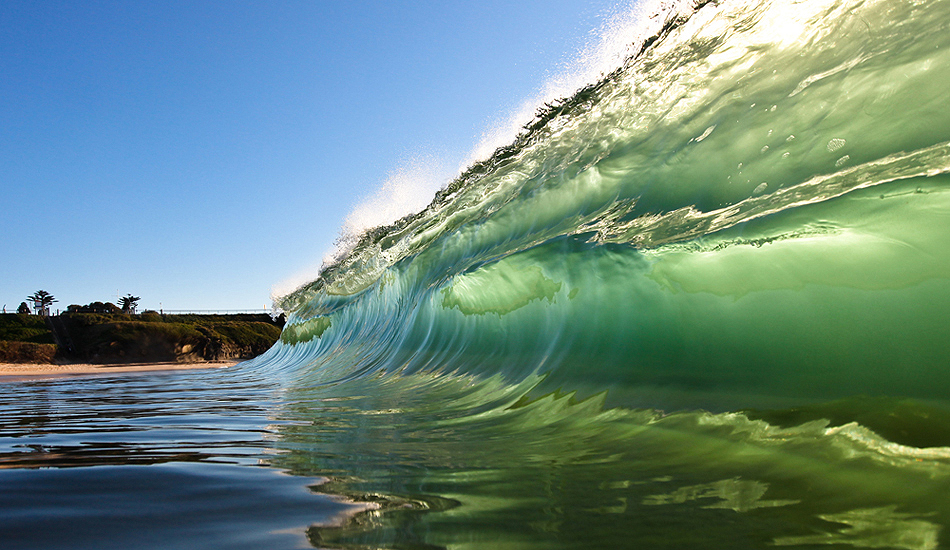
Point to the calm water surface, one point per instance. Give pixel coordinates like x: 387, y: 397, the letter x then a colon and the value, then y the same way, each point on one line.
x: 171, y: 460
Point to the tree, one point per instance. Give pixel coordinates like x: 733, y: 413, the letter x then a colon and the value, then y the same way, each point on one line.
x: 41, y: 301
x: 129, y: 303
x: 23, y: 308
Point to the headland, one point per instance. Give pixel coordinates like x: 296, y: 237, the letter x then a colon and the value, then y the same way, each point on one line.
x: 79, y: 343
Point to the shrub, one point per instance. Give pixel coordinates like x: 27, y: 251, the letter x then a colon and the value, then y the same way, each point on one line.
x: 150, y: 316
x: 26, y: 352
x: 24, y: 328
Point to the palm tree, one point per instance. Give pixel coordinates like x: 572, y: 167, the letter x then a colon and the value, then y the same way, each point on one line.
x: 129, y: 303
x: 41, y: 301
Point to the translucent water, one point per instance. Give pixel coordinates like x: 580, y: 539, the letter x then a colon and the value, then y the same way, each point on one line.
x: 703, y: 303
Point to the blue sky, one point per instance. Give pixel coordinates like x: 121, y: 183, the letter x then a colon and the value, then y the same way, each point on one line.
x: 198, y: 153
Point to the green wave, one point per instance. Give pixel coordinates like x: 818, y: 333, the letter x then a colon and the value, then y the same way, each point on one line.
x: 701, y: 303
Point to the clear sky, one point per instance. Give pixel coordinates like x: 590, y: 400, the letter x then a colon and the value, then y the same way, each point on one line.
x: 198, y: 153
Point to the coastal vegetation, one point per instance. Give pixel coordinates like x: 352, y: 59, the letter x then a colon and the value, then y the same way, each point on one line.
x: 25, y: 338
x: 18, y: 327
x: 102, y: 333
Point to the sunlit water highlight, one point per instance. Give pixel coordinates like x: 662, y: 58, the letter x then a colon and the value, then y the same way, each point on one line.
x: 702, y: 303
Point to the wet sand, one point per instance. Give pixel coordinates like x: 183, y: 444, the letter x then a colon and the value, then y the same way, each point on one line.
x: 13, y: 372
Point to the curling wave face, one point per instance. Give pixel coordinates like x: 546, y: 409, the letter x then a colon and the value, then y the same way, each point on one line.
x: 757, y: 200
x: 745, y: 224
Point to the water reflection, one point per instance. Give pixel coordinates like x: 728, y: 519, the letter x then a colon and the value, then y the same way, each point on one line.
x: 150, y: 461
x: 435, y: 461
x: 469, y: 464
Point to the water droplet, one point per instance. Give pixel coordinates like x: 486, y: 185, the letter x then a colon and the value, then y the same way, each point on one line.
x: 785, y: 155
x: 840, y: 162
x: 764, y: 149
x: 759, y: 189
x: 790, y: 137
x: 835, y: 144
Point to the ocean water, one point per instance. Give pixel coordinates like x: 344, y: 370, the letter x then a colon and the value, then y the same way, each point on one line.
x: 702, y: 303
x: 170, y: 460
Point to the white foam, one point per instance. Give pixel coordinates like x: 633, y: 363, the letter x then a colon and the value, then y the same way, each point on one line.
x: 606, y: 49
x: 291, y: 283
x: 408, y: 189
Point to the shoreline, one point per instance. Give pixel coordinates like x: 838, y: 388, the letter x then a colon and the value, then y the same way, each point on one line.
x: 16, y: 372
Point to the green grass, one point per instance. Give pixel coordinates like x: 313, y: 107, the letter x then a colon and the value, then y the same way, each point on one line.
x: 16, y: 327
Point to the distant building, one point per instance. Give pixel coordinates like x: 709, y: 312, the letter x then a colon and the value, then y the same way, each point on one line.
x: 39, y: 308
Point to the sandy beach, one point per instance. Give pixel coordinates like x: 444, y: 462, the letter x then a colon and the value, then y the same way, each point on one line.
x: 12, y: 372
